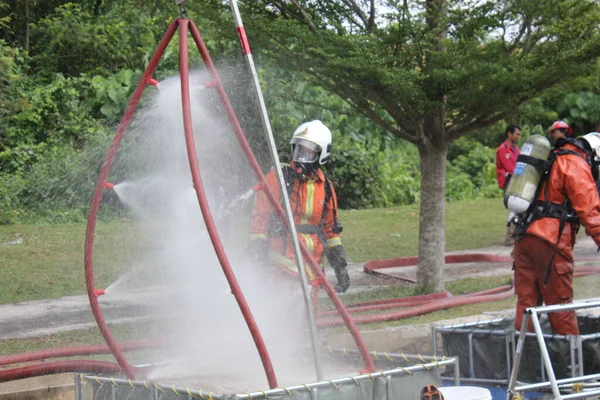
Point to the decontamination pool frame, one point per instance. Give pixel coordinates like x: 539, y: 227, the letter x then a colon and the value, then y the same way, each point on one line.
x: 513, y: 344
x: 576, y: 383
x: 157, y: 391
x: 510, y: 341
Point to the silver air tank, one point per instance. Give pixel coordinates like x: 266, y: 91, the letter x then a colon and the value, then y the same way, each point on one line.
x: 523, y: 184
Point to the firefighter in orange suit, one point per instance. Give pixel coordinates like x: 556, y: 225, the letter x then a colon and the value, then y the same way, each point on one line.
x: 314, y: 208
x: 544, y: 250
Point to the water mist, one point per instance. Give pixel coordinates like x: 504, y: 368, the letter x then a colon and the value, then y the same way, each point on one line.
x: 176, y: 271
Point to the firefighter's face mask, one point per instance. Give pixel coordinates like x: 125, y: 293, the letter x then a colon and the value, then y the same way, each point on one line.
x: 306, y: 152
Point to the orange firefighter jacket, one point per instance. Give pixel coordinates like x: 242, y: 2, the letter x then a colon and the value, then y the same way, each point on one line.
x: 307, y: 200
x: 570, y: 178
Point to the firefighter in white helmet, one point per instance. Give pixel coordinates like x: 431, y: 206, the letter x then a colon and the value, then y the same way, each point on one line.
x: 314, y: 207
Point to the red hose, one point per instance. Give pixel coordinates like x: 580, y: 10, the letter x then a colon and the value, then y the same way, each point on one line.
x: 406, y: 300
x: 274, y: 200
x: 97, y: 198
x: 204, y: 207
x: 423, y: 309
x: 73, y: 351
x: 581, y: 271
x: 388, y: 304
x: 59, y: 367
x: 373, y: 267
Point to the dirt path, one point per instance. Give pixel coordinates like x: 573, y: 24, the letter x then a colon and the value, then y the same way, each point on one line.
x: 43, y: 317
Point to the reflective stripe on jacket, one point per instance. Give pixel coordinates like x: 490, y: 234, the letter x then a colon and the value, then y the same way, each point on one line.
x: 307, y: 200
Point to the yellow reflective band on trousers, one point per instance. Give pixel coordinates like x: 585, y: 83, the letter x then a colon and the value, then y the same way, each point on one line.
x: 289, y: 264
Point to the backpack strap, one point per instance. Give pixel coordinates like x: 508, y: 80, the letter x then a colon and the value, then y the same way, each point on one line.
x: 337, y: 226
x: 550, y: 210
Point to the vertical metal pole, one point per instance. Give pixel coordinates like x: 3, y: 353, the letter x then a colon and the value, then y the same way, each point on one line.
x: 456, y: 371
x: 573, y: 350
x: 471, y: 362
x: 78, y: 391
x: 544, y: 353
x: 542, y: 368
x: 580, y: 354
x: 282, y: 187
x: 388, y: 385
x: 507, y: 350
x: 434, y: 335
x: 519, y: 352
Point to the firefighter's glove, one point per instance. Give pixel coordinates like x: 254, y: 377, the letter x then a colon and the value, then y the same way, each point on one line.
x: 337, y: 259
x: 258, y: 250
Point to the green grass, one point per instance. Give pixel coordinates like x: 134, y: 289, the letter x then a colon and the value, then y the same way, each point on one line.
x: 394, y: 232
x: 56, y: 340
x: 49, y: 261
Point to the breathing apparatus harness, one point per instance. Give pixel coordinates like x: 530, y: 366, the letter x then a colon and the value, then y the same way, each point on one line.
x: 544, y: 208
x: 275, y: 229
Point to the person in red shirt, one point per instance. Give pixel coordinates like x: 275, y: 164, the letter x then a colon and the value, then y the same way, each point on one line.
x: 506, y: 155
x: 506, y: 158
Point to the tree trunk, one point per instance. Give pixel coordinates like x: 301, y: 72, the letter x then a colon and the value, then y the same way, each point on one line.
x: 26, y: 44
x: 432, y: 221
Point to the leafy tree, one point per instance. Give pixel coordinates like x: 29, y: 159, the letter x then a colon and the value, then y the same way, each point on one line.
x: 73, y: 41
x: 430, y: 71
x: 45, y: 115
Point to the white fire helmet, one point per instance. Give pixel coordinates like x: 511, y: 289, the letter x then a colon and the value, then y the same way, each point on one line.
x: 591, y: 142
x: 311, y: 142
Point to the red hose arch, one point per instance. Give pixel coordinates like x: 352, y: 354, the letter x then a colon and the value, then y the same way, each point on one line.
x: 183, y: 25
x: 97, y: 198
x: 210, y: 225
x: 102, y: 178
x: 274, y: 200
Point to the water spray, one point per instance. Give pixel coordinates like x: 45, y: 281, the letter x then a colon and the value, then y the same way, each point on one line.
x: 286, y: 216
x: 184, y: 26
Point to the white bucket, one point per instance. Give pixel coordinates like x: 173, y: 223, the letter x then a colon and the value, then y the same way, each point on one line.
x: 465, y: 393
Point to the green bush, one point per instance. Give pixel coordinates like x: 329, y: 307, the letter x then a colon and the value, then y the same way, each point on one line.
x: 57, y: 188
x: 45, y: 114
x: 366, y: 176
x: 471, y: 172
x: 72, y: 41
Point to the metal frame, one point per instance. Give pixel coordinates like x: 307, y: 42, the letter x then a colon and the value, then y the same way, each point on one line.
x: 282, y: 184
x: 470, y: 329
x: 158, y: 388
x: 511, y: 337
x: 514, y: 388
